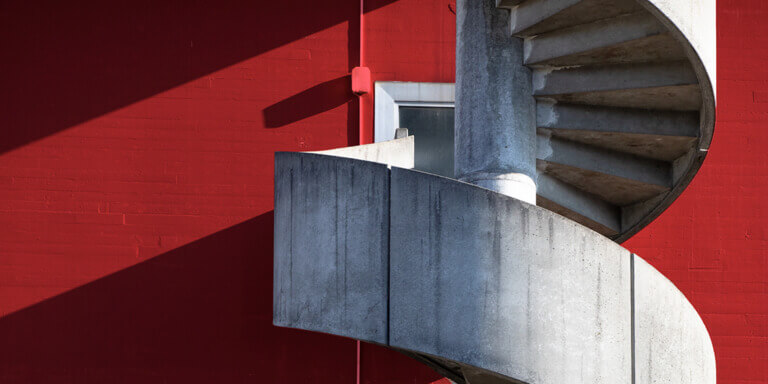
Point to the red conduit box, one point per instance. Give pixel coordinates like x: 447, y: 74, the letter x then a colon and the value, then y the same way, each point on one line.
x: 361, y: 80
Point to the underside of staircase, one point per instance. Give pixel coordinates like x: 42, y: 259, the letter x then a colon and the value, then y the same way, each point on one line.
x: 624, y: 107
x: 511, y: 272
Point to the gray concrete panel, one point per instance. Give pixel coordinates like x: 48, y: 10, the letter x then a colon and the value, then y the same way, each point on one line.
x: 331, y: 245
x: 500, y: 290
x: 489, y: 281
x: 672, y: 344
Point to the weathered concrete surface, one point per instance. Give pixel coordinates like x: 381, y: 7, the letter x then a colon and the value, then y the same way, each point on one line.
x: 331, y: 245
x: 398, y: 152
x: 489, y: 281
x: 495, y: 135
x: 672, y: 344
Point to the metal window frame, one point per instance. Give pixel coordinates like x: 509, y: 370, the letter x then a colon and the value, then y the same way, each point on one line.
x: 389, y: 96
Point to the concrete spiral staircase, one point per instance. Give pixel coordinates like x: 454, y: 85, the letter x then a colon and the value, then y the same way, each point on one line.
x: 625, y: 105
x: 484, y: 287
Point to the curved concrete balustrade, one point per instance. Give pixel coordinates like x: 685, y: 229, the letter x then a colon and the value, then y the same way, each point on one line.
x: 672, y: 344
x: 482, y: 287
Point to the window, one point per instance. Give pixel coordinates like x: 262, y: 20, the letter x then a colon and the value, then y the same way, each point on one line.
x: 426, y: 109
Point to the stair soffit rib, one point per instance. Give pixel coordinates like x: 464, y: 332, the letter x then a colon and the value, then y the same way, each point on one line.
x: 617, y: 164
x: 551, y: 82
x: 568, y: 41
x: 617, y: 120
x: 662, y: 86
x: 578, y: 205
x: 662, y: 135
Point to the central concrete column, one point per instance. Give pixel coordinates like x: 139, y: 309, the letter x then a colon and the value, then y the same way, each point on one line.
x: 495, y: 135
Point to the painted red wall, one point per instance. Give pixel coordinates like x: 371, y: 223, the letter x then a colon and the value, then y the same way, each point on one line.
x: 713, y: 241
x: 136, y: 184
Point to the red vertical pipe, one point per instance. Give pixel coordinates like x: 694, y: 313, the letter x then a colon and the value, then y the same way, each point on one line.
x: 361, y: 134
x: 357, y: 371
x: 361, y: 102
x: 361, y: 139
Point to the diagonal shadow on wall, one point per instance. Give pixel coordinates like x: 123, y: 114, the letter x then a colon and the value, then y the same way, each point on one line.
x: 318, y: 99
x: 201, y: 313
x: 68, y: 62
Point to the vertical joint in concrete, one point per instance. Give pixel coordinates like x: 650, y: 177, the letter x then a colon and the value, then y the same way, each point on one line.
x: 495, y: 131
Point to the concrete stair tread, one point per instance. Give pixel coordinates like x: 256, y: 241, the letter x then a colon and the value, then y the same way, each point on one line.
x: 637, y: 37
x: 589, y: 183
x: 616, y: 77
x: 613, y: 189
x: 617, y: 120
x: 553, y: 150
x: 656, y: 147
x: 534, y: 17
x: 659, y: 135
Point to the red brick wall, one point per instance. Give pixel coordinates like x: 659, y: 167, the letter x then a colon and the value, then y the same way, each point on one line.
x: 713, y: 241
x: 136, y: 184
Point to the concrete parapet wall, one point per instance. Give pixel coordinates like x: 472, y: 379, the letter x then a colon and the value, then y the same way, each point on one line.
x: 672, y: 344
x: 481, y: 285
x: 505, y: 286
x: 331, y: 245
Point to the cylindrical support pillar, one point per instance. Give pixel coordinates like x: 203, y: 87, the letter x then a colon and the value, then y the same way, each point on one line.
x: 495, y: 133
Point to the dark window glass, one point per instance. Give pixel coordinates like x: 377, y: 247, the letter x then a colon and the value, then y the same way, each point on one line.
x: 432, y: 128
